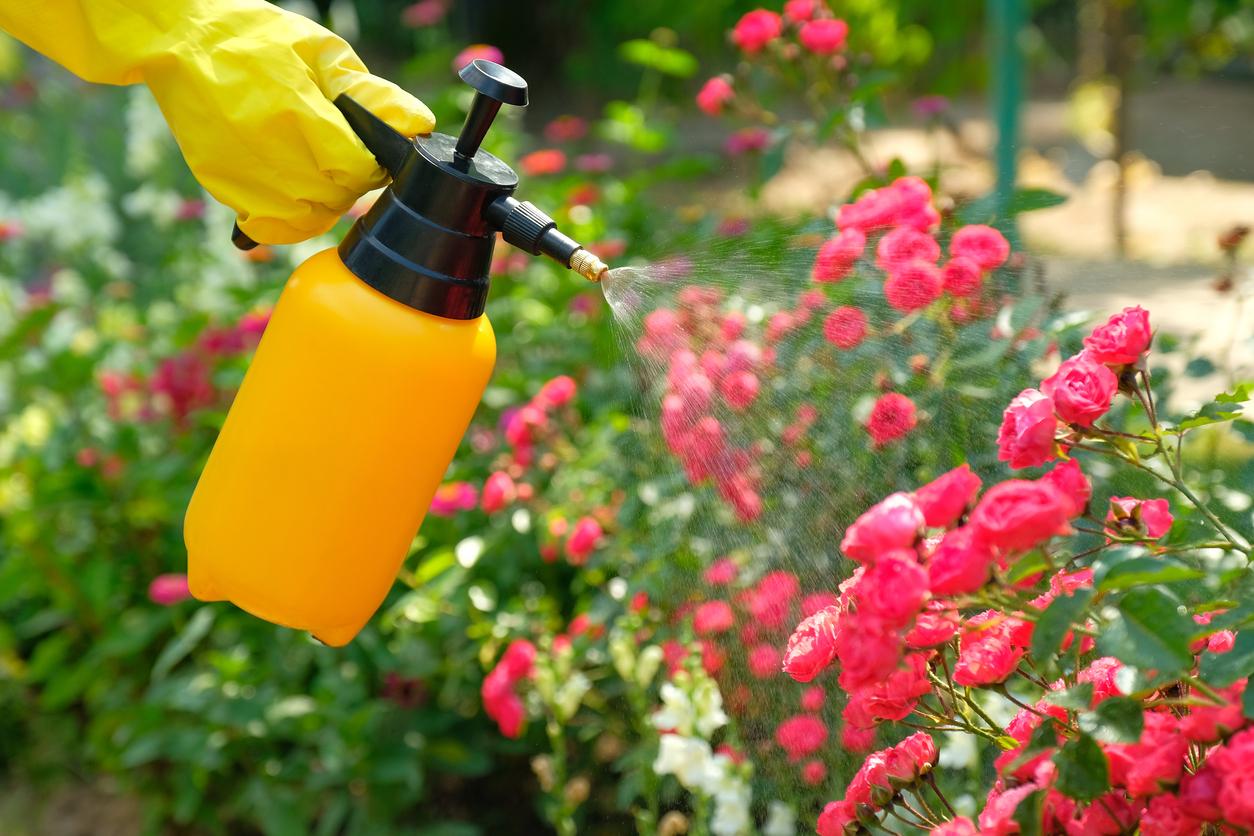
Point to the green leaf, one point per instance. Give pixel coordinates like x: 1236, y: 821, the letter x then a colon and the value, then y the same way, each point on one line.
x: 1083, y: 773
x: 1028, y: 565
x: 1029, y: 200
x: 1030, y: 814
x: 1143, y: 571
x: 1115, y: 720
x: 1076, y: 698
x: 666, y: 60
x: 1223, y: 669
x: 1149, y: 632
x: 1224, y: 407
x: 184, y: 643
x: 1199, y: 367
x: 773, y: 159
x: 1056, y: 621
x: 1247, y: 704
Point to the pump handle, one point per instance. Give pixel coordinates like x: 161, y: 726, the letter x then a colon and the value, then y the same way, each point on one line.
x: 494, y: 86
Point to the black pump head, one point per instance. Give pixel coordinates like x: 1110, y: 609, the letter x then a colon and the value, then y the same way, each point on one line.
x: 428, y: 239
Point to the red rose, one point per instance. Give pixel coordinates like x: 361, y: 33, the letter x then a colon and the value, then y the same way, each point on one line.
x: 913, y: 286
x: 823, y: 36
x: 959, y: 565
x: 904, y: 245
x: 713, y: 617
x: 982, y: 244
x: 892, y: 417
x: 961, y: 276
x: 812, y: 646
x: 1122, y: 340
x: 498, y: 491
x: 845, y: 327
x: 583, y: 540
x: 1026, y: 438
x: 756, y: 29
x: 801, y: 735
x: 838, y: 255
x: 1017, y: 515
x: 799, y: 11
x: 764, y: 661
x: 837, y: 819
x: 1132, y: 517
x: 714, y: 95
x: 814, y: 773
x: 1071, y: 482
x: 894, y: 588
x: 894, y: 523
x: 1082, y: 390
x: 944, y: 499
x: 987, y: 652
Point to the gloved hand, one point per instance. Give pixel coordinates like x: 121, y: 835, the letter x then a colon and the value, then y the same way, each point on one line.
x: 246, y: 88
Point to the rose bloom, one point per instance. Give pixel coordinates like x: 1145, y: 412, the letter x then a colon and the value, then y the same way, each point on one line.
x: 1028, y: 426
x: 837, y: 818
x: 498, y: 491
x: 845, y: 327
x: 544, y: 161
x: 812, y: 698
x: 424, y: 13
x: 892, y: 417
x: 715, y: 94
x: 1070, y: 481
x: 894, y: 588
x: 801, y: 735
x: 838, y: 255
x: 1129, y: 516
x: 746, y: 140
x: 812, y: 646
x: 935, y: 625
x: 713, y: 617
x: 168, y: 589
x: 814, y: 773
x: 987, y: 653
x: 557, y: 392
x: 904, y: 245
x: 756, y: 29
x: 894, y: 523
x: 1122, y: 340
x: 721, y: 572
x: 913, y: 286
x: 946, y: 498
x: 982, y: 244
x: 739, y: 390
x: 764, y: 661
x: 799, y: 11
x: 470, y: 53
x: 566, y: 129
x: 961, y: 276
x: 959, y: 565
x: 960, y: 826
x: 1018, y: 514
x: 453, y: 497
x: 1082, y: 390
x: 1165, y: 816
x: 824, y: 36
x: 583, y: 540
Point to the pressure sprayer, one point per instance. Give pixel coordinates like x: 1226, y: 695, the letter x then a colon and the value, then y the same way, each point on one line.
x: 370, y: 369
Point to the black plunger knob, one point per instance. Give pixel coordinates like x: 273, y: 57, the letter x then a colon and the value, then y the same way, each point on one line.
x: 495, y: 85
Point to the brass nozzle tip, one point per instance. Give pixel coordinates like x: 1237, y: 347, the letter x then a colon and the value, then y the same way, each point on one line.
x: 588, y: 265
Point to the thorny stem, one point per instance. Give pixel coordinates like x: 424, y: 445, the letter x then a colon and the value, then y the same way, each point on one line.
x: 928, y: 819
x: 922, y: 796
x: 931, y: 782
x: 895, y: 813
x: 1198, y: 685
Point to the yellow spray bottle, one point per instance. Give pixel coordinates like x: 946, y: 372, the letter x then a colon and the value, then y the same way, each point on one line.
x: 370, y: 369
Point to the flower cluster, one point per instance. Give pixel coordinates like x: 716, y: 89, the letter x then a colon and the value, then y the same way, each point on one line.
x: 879, y: 783
x: 500, y: 698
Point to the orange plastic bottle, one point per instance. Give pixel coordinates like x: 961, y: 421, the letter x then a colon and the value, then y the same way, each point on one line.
x: 370, y: 369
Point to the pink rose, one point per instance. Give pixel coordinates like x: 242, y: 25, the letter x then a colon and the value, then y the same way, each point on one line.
x: 764, y: 661
x: 961, y: 826
x: 518, y: 659
x: 814, y: 773
x: 892, y: 417
x: 935, y: 625
x: 845, y: 327
x: 739, y: 390
x: 921, y: 749
x: 1018, y: 515
x: 1234, y: 763
x: 869, y: 651
x: 1165, y: 816
x: 801, y: 735
x: 453, y: 497
x: 756, y: 29
x: 1026, y: 438
x: 583, y: 540
x: 1082, y: 390
x: 961, y: 276
x: 1070, y: 481
x: 894, y: 523
x: 823, y: 36
x: 959, y: 565
x: 913, y: 286
x: 713, y: 617
x: 984, y: 245
x: 557, y: 392
x: 1144, y: 518
x: 498, y: 491
x: 1122, y: 340
x: 837, y: 819
x: 168, y: 589
x: 836, y: 258
x: 1199, y: 792
x: 946, y: 498
x: 812, y: 646
x: 721, y: 572
x: 896, y: 694
x: 771, y: 599
x: 904, y: 245
x: 475, y: 51
x: 813, y: 698
x: 799, y: 11
x: 894, y: 588
x: 987, y: 653
x: 714, y: 95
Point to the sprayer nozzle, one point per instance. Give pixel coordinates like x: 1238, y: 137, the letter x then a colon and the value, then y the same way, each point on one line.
x: 588, y: 265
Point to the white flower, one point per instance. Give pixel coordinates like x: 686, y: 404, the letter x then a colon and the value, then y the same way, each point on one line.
x: 570, y: 694
x: 708, y: 704
x: 676, y: 712
x: 649, y: 663
x: 731, y: 812
x: 687, y: 758
x: 780, y: 820
x: 161, y: 206
x: 148, y: 138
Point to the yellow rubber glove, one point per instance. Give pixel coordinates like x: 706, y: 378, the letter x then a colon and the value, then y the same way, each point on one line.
x: 246, y: 88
